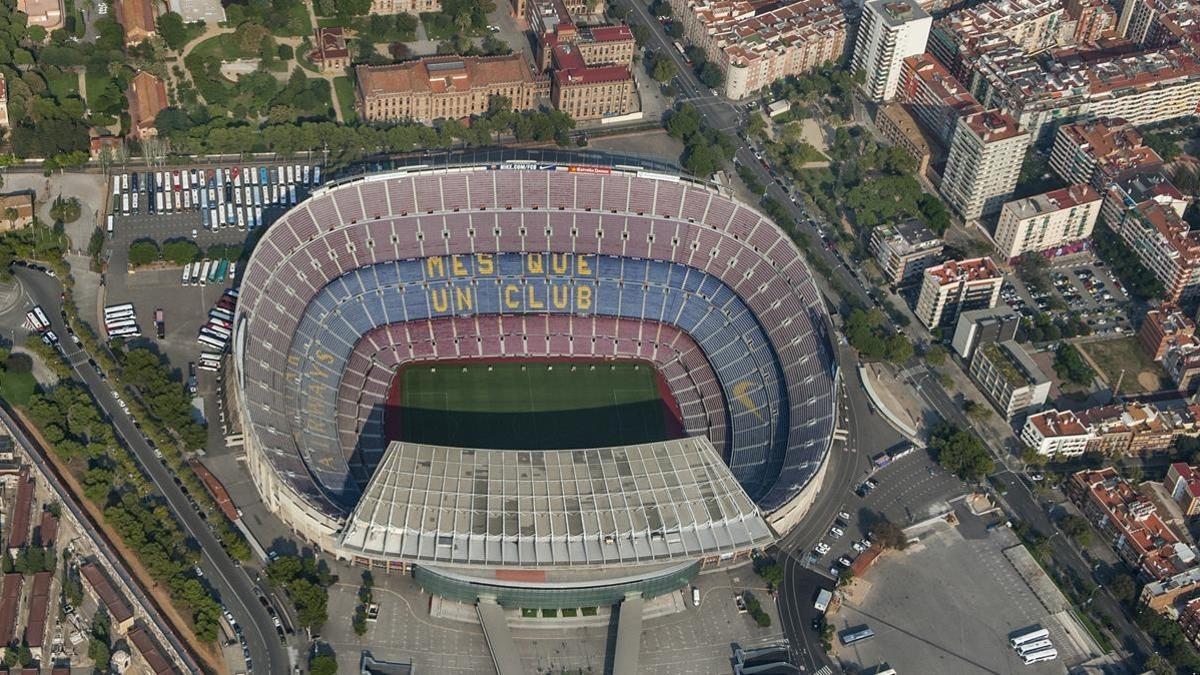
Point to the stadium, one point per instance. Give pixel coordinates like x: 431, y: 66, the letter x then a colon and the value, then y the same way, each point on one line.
x: 547, y: 383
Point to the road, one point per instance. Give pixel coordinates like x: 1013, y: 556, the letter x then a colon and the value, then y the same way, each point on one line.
x: 234, y: 587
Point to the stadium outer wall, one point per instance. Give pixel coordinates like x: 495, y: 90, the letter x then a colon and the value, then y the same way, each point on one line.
x: 322, y: 530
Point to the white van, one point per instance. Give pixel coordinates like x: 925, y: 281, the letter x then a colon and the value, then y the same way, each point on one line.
x: 695, y: 596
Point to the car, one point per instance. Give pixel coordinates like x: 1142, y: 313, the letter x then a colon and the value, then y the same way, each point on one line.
x: 862, y: 490
x: 822, y: 548
x: 845, y: 562
x: 695, y: 597
x: 816, y: 623
x: 873, y: 483
x: 740, y: 603
x: 857, y: 546
x: 494, y: 29
x: 834, y: 571
x: 835, y: 532
x: 865, y: 543
x: 844, y: 516
x: 199, y: 572
x: 1036, y: 476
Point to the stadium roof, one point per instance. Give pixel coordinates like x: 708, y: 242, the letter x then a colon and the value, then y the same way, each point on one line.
x: 649, y: 503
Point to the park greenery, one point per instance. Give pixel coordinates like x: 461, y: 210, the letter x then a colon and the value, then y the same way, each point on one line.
x: 144, y: 252
x: 112, y: 480
x: 960, y: 452
x: 65, y: 209
x: 16, y: 377
x: 458, y: 17
x: 36, y: 242
x: 1070, y: 366
x: 754, y: 608
x: 306, y: 581
x: 869, y: 333
x: 164, y: 396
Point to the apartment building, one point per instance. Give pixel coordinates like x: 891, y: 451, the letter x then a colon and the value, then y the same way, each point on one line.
x: 956, y: 286
x: 1010, y: 379
x: 1165, y: 244
x: 1163, y: 327
x: 888, y: 32
x: 1093, y: 20
x: 1183, y: 482
x: 1181, y: 363
x: 1101, y: 152
x: 1131, y: 523
x: 1030, y: 25
x: 755, y: 44
x: 604, y: 45
x: 986, y: 152
x: 978, y: 327
x: 1123, y: 197
x: 936, y: 99
x: 1048, y: 221
x: 898, y: 127
x: 1057, y: 434
x: 446, y: 87
x: 904, y: 249
x: 1132, y: 428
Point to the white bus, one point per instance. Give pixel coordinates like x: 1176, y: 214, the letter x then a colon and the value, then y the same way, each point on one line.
x: 118, y: 324
x: 187, y: 275
x: 291, y: 174
x: 204, y: 270
x: 307, y: 175
x: 218, y: 329
x: 317, y: 175
x: 1031, y: 636
x: 120, y: 316
x: 116, y: 185
x: 205, y: 330
x: 209, y: 366
x: 128, y: 331
x: 124, y: 182
x: 1035, y: 646
x: 211, y: 356
x: 210, y: 340
x: 1048, y: 654
x: 114, y: 309
x: 125, y: 204
x: 133, y: 202
x: 110, y: 224
x: 291, y: 194
x: 218, y: 313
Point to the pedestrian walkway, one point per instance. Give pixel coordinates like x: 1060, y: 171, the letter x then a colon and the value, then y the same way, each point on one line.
x: 900, y: 410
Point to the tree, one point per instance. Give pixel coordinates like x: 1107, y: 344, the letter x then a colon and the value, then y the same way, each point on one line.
x: 1032, y: 457
x: 323, y: 664
x: 143, y: 252
x: 1123, y: 588
x: 935, y: 355
x: 664, y: 68
x: 769, y: 570
x: 172, y: 30
x: 960, y: 452
x: 888, y: 534
x: 979, y: 412
x: 65, y: 210
x: 1070, y: 366
x: 1077, y: 528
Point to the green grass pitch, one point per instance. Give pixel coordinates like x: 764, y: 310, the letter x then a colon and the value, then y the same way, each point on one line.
x: 533, y: 405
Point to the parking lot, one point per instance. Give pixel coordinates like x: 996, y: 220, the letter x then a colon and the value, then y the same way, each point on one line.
x: 949, y: 604
x: 908, y: 490
x: 1084, y: 286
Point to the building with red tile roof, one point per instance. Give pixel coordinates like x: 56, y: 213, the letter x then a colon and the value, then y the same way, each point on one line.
x: 1165, y: 244
x: 47, y: 530
x: 330, y: 53
x: 137, y: 17
x: 39, y: 607
x: 1131, y: 522
x: 1101, y: 152
x: 19, y: 518
x: 1183, y: 482
x: 10, y: 603
x: 116, y: 604
x: 956, y: 286
x: 1056, y: 434
x: 446, y: 87
x: 150, y: 652
x: 1162, y: 327
x: 147, y: 97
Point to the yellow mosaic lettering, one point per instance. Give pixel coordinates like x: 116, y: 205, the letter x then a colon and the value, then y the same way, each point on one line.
x: 484, y: 263
x: 534, y: 303
x: 457, y: 267
x: 533, y: 262
x: 583, y: 297
x: 511, y: 297
x: 560, y: 296
x: 582, y: 268
x: 323, y: 356
x: 560, y: 263
x: 440, y: 299
x: 434, y: 267
x: 463, y: 299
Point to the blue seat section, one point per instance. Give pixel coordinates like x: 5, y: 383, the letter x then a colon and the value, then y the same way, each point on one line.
x: 698, y: 303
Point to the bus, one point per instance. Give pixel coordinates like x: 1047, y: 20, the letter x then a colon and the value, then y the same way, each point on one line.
x: 118, y: 325
x: 125, y: 204
x: 211, y: 356
x: 187, y: 275
x: 195, y: 273
x: 204, y: 270
x: 120, y: 316
x: 1031, y: 636
x: 214, y: 272
x: 856, y: 634
x: 1048, y: 654
x: 127, y: 331
x: 124, y: 182
x: 116, y: 185
x: 214, y: 334
x: 317, y: 175
x: 117, y: 309
x: 222, y: 270
x: 209, y: 366
x: 210, y: 341
x: 1035, y: 646
x: 219, y: 330
x: 679, y: 48
x: 291, y: 194
x: 43, y: 321
x: 110, y: 224
x: 218, y: 313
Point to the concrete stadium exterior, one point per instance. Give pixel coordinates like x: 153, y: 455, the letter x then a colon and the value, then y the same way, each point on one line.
x: 533, y: 259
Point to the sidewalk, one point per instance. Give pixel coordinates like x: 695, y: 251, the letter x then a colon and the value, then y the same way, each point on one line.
x: 899, y: 409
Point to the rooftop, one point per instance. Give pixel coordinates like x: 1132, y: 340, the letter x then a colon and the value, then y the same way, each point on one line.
x: 442, y: 74
x: 331, y: 43
x: 992, y: 126
x: 1056, y: 424
x: 1053, y: 201
x: 570, y: 68
x: 897, y: 12
x: 746, y: 29
x: 964, y: 271
x: 908, y: 236
x: 1113, y: 144
x: 640, y: 504
x: 1190, y: 476
x: 118, y: 608
x: 147, y: 97
x: 943, y: 86
x: 1014, y: 364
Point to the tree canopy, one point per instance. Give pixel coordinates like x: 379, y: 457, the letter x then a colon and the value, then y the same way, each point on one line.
x: 960, y: 452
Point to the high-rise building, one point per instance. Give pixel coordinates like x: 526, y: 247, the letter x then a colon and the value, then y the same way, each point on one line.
x: 934, y: 96
x: 1012, y: 381
x: 956, y: 286
x: 986, y: 153
x: 1165, y: 245
x: 1101, y: 152
x: 904, y: 250
x: 889, y: 32
x: 978, y: 327
x: 1047, y: 221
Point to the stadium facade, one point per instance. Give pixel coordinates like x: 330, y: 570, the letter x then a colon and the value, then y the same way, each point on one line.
x: 526, y: 259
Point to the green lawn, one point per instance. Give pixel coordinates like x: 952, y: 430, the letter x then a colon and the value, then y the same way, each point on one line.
x: 298, y: 25
x: 1125, y: 354
x: 96, y: 80
x: 16, y: 388
x: 531, y: 405
x: 62, y: 84
x: 344, y: 88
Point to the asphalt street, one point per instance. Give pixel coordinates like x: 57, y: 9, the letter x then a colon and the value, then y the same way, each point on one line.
x: 231, y: 582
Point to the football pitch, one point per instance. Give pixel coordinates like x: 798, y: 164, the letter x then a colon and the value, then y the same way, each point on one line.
x: 530, y: 404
